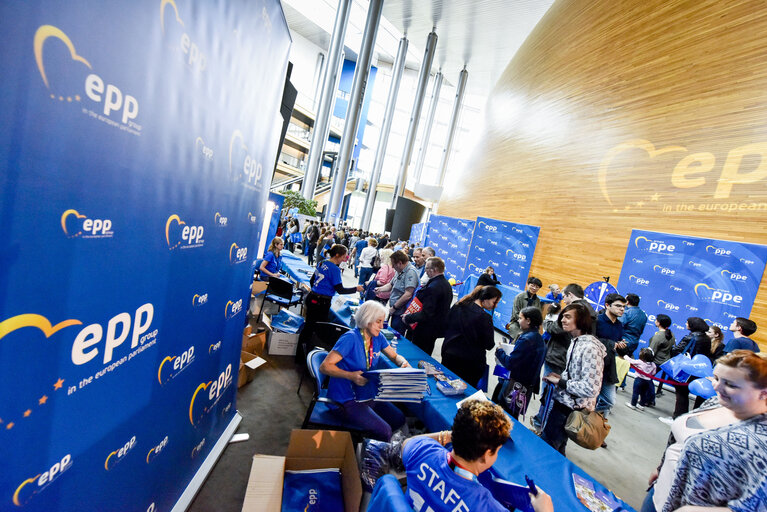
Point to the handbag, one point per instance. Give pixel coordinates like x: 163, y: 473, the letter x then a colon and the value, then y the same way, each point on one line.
x: 587, y: 428
x: 515, y: 398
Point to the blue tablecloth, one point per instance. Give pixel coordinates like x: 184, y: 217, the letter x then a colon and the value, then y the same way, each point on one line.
x: 298, y: 271
x: 524, y: 454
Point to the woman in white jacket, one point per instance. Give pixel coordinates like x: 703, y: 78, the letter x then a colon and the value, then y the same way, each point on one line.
x: 580, y: 383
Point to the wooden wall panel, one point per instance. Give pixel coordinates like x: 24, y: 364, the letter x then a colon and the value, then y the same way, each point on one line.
x: 648, y: 114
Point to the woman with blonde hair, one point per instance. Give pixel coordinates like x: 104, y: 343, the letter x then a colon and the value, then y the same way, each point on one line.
x: 272, y: 262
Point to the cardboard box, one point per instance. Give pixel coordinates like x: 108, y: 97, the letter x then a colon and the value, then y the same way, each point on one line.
x: 282, y: 343
x: 248, y: 365
x: 308, y: 449
x: 254, y: 343
x: 258, y: 287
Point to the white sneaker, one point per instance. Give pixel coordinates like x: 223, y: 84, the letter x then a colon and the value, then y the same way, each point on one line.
x: 628, y: 404
x: 640, y: 407
x: 668, y: 420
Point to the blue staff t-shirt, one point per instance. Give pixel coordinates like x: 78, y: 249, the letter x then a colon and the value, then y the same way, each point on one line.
x: 351, y: 346
x: 361, y: 244
x: 326, y: 277
x: 433, y: 486
x: 273, y: 265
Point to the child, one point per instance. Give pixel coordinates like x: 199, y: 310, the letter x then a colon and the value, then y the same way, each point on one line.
x: 642, y: 385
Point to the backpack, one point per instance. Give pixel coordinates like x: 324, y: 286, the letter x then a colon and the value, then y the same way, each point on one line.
x: 376, y: 262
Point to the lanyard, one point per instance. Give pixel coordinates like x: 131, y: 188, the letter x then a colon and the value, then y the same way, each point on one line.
x: 368, y: 350
x: 460, y: 471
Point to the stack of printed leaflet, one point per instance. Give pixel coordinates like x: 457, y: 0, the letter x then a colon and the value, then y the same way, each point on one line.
x: 312, y: 490
x: 394, y: 385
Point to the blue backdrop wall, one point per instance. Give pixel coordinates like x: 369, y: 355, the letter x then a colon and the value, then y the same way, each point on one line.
x: 450, y: 238
x: 136, y: 146
x: 506, y: 246
x: 685, y: 276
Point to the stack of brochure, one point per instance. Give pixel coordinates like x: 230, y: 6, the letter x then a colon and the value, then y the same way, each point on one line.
x: 394, y: 385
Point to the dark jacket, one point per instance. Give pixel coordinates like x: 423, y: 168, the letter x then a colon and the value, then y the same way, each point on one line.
x: 698, y: 343
x: 435, y: 299
x: 487, y: 280
x: 469, y: 334
x: 609, y: 334
x: 556, y: 346
x: 525, y: 361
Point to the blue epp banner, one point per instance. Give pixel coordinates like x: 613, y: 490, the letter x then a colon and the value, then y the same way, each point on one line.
x: 508, y: 247
x: 450, y: 238
x: 418, y: 233
x: 684, y: 276
x: 136, y: 147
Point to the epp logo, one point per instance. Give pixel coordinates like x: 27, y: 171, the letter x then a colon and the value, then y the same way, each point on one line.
x: 493, y: 242
x: 730, y: 315
x: 154, y: 452
x: 176, y: 365
x: 716, y: 295
x: 664, y: 271
x: 488, y: 227
x: 119, y: 455
x: 201, y: 403
x: 476, y: 268
x: 668, y: 306
x: 199, y: 300
x: 92, y: 334
x: 220, y: 221
x: 251, y: 218
x: 695, y: 264
x: 193, y: 57
x: 690, y: 308
x: 636, y: 260
x: 516, y: 256
x: 187, y: 237
x: 232, y: 309
x: 518, y: 230
x: 734, y: 276
x: 237, y: 254
x: 112, y: 97
x: 197, y: 449
x: 653, y: 246
x: 677, y: 326
x: 718, y: 251
x: 641, y: 281
x: 75, y: 224
x: 688, y: 244
x: 39, y: 482
x: 207, y: 152
x: 251, y: 169
x: 214, y: 347
x: 747, y: 261
x: 480, y: 249
x: 675, y: 288
x: 442, y: 251
x: 516, y: 274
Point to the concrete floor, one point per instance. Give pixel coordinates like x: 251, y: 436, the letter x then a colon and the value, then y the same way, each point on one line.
x: 271, y: 409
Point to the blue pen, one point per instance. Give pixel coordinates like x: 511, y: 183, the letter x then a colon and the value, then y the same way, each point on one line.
x: 531, y: 485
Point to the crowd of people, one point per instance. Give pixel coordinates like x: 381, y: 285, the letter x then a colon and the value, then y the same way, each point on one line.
x: 573, y: 347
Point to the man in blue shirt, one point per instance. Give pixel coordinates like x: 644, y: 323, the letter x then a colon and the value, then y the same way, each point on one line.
x: 609, y: 332
x: 358, y: 246
x: 634, y: 321
x: 741, y: 329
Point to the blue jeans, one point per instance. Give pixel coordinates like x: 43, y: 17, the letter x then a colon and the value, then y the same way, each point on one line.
x: 647, y: 504
x: 365, y: 273
x: 606, y: 399
x: 378, y: 419
x: 554, y: 432
x: 644, y: 392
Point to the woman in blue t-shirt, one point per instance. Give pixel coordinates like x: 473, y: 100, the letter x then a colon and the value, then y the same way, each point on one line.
x: 445, y: 481
x: 325, y: 282
x: 354, y: 353
x: 270, y: 266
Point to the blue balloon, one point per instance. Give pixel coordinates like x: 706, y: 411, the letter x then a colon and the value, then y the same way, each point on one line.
x: 699, y: 366
x: 702, y: 387
x: 676, y: 367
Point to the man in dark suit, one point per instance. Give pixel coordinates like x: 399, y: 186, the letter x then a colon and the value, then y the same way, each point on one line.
x: 435, y: 297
